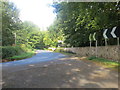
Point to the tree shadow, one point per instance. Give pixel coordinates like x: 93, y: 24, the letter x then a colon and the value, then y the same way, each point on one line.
x: 64, y: 74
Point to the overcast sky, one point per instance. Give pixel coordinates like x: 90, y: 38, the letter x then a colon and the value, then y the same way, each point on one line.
x: 37, y: 11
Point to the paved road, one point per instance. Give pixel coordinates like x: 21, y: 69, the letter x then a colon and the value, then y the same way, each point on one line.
x: 41, y: 56
x: 54, y: 70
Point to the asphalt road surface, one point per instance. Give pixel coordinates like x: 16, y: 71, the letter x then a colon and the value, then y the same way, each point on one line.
x: 54, y: 70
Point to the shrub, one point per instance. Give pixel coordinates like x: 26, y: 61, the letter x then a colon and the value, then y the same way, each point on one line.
x: 9, y: 51
x: 92, y: 57
x: 62, y: 50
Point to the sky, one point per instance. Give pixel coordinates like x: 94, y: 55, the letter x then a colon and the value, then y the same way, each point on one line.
x: 37, y: 11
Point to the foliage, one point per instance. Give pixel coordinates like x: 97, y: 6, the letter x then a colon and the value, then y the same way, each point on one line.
x: 53, y: 35
x: 21, y: 56
x: 9, y: 51
x: 10, y: 22
x: 91, y: 58
x: 61, y: 50
x: 30, y: 35
x: 26, y: 32
x: 78, y: 19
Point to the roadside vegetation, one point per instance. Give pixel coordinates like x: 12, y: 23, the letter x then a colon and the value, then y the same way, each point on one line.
x: 11, y: 53
x: 60, y: 50
x: 21, y: 39
x: 100, y: 61
x: 78, y: 20
x: 105, y: 62
x: 73, y: 24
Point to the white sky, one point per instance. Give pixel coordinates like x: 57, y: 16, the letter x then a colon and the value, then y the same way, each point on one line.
x: 37, y: 11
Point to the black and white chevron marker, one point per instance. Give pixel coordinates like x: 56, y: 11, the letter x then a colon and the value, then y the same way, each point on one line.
x: 112, y: 32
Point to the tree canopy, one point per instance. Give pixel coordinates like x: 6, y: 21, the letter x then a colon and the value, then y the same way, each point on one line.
x: 74, y: 22
x: 78, y: 19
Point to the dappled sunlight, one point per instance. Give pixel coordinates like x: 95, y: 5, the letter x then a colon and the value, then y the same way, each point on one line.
x: 74, y: 78
x: 70, y: 64
x: 31, y: 65
x: 100, y: 74
x: 82, y: 82
x: 89, y: 65
x: 72, y: 36
x: 45, y: 66
x: 73, y: 58
x: 1, y: 83
x: 109, y: 84
x: 68, y: 73
x: 82, y: 58
x: 70, y: 81
x: 76, y: 70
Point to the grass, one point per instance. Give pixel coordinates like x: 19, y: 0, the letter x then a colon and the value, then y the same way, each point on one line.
x: 64, y: 52
x: 21, y: 56
x: 101, y: 61
x: 105, y: 62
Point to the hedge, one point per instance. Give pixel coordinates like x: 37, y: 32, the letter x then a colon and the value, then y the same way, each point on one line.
x: 9, y: 51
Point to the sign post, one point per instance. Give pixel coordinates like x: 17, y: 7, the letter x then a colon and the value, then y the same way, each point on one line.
x: 105, y: 36
x: 90, y: 39
x: 112, y: 33
x: 118, y: 39
x: 94, y: 38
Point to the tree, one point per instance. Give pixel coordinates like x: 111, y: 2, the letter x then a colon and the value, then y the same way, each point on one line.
x: 10, y: 22
x: 53, y: 34
x: 78, y: 20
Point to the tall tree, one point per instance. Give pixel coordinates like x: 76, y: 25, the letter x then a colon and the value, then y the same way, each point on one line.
x: 10, y: 22
x: 78, y: 20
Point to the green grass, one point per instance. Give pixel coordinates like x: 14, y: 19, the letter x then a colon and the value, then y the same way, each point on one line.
x: 64, y: 52
x: 21, y: 56
x: 105, y: 62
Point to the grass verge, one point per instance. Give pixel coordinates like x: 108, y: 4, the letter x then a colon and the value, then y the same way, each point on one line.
x: 19, y: 57
x: 100, y: 61
x: 105, y: 62
x: 64, y: 52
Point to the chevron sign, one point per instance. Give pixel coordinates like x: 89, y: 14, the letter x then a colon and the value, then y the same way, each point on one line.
x: 112, y: 33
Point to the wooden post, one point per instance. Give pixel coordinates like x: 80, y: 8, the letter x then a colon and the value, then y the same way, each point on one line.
x: 118, y: 43
x: 105, y: 42
x: 90, y: 44
x: 96, y: 48
x: 90, y: 49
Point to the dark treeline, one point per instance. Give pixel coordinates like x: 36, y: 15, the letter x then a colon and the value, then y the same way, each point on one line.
x: 78, y: 19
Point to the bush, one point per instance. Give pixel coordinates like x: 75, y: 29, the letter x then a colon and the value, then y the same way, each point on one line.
x: 26, y: 48
x: 21, y: 56
x: 62, y: 50
x: 9, y: 51
x: 92, y: 57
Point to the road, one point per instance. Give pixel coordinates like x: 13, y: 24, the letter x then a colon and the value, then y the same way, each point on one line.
x: 54, y: 70
x: 41, y: 56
